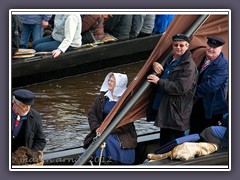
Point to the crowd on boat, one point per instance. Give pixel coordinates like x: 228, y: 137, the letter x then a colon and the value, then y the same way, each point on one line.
x: 186, y: 99
x: 59, y: 33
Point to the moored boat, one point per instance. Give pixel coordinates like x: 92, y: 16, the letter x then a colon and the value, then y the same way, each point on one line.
x: 42, y: 68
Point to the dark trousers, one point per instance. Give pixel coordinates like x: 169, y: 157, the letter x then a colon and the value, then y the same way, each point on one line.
x: 198, y: 122
x: 167, y: 135
x: 142, y: 34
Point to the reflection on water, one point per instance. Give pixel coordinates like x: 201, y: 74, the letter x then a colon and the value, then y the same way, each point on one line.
x: 64, y: 105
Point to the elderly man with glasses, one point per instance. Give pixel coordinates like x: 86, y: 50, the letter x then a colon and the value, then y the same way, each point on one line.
x: 26, y: 122
x: 174, y: 88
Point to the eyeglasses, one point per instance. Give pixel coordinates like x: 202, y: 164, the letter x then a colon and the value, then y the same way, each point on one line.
x: 181, y: 45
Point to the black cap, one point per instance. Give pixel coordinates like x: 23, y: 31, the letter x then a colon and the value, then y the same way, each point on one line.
x: 25, y: 96
x: 180, y: 37
x: 215, y: 41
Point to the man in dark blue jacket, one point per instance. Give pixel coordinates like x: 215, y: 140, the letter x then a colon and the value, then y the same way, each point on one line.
x: 26, y: 123
x: 210, y: 97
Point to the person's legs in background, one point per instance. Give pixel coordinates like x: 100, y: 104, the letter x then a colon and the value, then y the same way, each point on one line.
x: 25, y: 36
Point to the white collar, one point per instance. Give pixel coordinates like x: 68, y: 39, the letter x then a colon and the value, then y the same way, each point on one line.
x: 109, y: 95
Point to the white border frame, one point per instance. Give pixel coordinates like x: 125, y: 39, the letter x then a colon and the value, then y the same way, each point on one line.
x: 119, y: 11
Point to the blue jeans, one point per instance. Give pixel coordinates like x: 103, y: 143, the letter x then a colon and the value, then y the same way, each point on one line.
x: 46, y: 43
x: 35, y: 29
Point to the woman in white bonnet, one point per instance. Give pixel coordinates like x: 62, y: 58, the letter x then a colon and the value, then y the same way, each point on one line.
x: 121, y: 143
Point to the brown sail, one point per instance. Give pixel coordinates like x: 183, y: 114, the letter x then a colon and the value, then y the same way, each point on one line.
x: 214, y: 25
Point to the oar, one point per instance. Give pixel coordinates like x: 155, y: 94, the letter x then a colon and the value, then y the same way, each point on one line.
x: 146, y: 85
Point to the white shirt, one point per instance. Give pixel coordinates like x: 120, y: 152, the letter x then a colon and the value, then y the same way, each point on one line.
x: 67, y: 30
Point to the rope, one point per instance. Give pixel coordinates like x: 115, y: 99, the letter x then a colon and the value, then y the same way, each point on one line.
x: 102, y: 148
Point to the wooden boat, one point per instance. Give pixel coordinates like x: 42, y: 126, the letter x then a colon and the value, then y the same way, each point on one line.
x: 42, y: 68
x: 147, y: 143
x: 70, y: 156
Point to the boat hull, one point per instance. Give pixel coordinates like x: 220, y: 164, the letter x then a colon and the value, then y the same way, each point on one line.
x: 44, y: 68
x: 147, y: 143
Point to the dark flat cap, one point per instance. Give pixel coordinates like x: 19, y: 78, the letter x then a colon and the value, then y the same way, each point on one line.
x: 25, y: 96
x: 215, y: 41
x: 180, y: 37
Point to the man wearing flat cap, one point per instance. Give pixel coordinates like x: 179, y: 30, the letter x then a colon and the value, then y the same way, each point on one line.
x: 175, y: 85
x: 210, y: 97
x: 26, y: 122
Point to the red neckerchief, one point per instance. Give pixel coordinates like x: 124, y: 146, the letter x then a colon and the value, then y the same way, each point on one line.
x: 18, y: 116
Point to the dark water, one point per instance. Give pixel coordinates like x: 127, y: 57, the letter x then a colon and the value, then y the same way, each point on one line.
x: 64, y: 105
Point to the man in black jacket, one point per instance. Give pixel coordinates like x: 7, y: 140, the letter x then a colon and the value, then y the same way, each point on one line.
x: 175, y: 85
x: 26, y: 123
